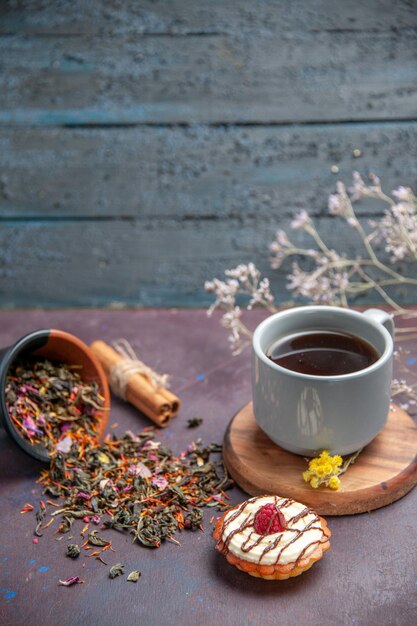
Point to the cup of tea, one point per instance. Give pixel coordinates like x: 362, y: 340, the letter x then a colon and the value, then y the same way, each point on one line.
x: 321, y: 378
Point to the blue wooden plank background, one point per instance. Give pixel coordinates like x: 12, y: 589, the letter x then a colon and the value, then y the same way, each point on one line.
x: 147, y: 146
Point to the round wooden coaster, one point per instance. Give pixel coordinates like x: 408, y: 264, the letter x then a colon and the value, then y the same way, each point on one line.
x: 384, y: 471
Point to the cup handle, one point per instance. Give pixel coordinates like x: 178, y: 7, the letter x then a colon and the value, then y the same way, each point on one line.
x: 383, y: 318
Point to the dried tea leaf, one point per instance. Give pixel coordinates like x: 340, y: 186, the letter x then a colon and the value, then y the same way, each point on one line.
x: 40, y: 514
x: 180, y: 495
x: 73, y: 551
x: 194, y: 422
x: 116, y: 570
x: 193, y: 519
x: 113, y: 489
x: 134, y: 576
x: 65, y: 527
x: 96, y: 540
x: 148, y: 532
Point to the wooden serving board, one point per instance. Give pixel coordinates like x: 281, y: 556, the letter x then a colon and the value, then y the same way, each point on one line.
x: 384, y: 471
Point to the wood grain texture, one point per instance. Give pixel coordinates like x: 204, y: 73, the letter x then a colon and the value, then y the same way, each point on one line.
x: 197, y: 127
x: 262, y: 172
x: 139, y: 262
x: 296, y: 76
x: 384, y: 471
x: 144, y: 216
x: 182, y: 17
x: 131, y: 262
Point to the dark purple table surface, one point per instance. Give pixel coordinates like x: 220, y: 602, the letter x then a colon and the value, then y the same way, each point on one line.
x: 369, y: 576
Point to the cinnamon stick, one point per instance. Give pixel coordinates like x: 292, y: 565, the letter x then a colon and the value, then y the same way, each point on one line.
x: 160, y: 405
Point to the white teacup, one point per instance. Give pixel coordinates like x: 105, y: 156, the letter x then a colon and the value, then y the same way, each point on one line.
x: 306, y: 413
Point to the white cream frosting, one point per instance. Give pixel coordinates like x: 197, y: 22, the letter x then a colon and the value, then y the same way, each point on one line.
x: 293, y: 542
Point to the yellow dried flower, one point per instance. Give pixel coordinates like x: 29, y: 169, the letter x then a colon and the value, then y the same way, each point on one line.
x: 328, y: 468
x: 313, y: 464
x: 321, y: 471
x: 334, y: 483
x: 307, y: 475
x: 325, y: 470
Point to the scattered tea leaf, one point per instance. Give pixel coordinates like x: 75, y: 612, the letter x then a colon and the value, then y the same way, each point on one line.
x: 194, y: 422
x: 73, y: 551
x: 193, y: 519
x: 134, y: 576
x: 96, y: 540
x: 139, y: 487
x: 116, y: 570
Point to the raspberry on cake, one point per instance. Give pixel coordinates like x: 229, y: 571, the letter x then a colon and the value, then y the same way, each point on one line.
x: 268, y: 520
x: 272, y: 537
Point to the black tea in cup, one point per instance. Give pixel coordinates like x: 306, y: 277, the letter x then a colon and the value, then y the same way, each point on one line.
x: 322, y: 353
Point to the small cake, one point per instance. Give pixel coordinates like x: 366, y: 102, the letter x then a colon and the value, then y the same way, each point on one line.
x: 272, y: 537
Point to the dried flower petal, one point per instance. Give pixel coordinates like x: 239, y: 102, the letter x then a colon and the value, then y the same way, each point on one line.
x: 74, y: 580
x: 29, y: 425
x: 140, y: 469
x: 160, y: 482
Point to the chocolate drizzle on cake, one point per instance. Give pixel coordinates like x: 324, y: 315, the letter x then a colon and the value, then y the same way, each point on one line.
x: 281, y: 540
x: 247, y: 522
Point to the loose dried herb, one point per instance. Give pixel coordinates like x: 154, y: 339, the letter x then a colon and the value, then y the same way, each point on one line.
x: 73, y: 551
x: 50, y: 404
x: 96, y: 540
x: 40, y: 515
x: 116, y: 570
x: 134, y: 576
x: 194, y: 422
x: 132, y: 484
x: 135, y: 484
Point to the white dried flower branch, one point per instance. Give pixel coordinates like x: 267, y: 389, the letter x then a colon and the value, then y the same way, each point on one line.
x: 401, y: 387
x: 336, y: 279
x: 243, y: 280
x: 330, y: 277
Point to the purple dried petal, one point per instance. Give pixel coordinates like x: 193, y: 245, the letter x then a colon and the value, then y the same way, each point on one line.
x: 160, y: 482
x: 74, y: 580
x: 140, y: 470
x: 84, y: 496
x: 29, y: 424
x: 30, y: 388
x: 64, y: 445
